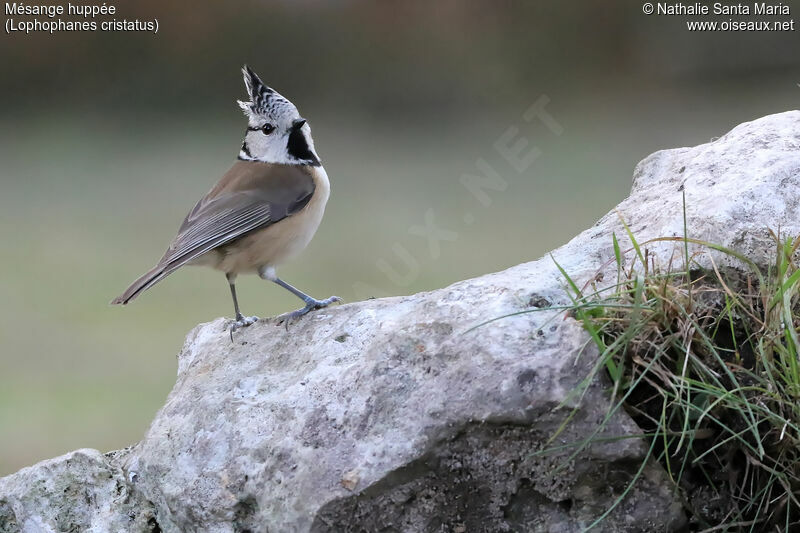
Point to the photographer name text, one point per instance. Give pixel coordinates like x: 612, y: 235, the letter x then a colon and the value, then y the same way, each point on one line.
x: 718, y: 8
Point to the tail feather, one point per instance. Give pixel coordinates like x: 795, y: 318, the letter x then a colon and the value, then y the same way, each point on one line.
x: 147, y: 280
x: 164, y: 268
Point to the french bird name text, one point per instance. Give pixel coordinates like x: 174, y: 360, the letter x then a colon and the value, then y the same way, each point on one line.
x: 29, y: 18
x: 86, y: 11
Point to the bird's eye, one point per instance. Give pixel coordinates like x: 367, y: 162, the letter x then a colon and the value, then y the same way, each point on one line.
x: 266, y: 129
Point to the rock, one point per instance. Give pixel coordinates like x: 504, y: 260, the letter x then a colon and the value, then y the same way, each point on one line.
x: 82, y: 491
x: 737, y: 187
x: 407, y: 414
x: 412, y: 423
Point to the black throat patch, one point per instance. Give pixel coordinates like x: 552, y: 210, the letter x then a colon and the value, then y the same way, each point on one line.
x: 246, y: 150
x: 298, y: 148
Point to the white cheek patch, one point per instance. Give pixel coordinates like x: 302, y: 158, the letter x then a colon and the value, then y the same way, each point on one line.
x: 271, y: 148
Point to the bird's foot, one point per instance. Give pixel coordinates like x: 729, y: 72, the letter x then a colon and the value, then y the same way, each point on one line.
x: 312, y: 304
x: 242, y: 322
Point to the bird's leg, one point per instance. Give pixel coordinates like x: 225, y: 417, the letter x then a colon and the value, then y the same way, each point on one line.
x: 241, y: 321
x: 311, y: 303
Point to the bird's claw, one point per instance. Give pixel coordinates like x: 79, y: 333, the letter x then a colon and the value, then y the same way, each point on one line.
x: 311, y: 305
x: 242, y: 322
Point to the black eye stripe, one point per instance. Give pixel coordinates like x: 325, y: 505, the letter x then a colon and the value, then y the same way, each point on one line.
x: 266, y: 128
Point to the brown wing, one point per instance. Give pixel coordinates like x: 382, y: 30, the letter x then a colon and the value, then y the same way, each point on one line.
x: 250, y: 196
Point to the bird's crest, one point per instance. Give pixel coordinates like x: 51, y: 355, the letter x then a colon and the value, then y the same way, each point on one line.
x: 265, y: 102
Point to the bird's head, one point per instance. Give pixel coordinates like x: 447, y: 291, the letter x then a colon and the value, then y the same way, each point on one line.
x: 276, y: 133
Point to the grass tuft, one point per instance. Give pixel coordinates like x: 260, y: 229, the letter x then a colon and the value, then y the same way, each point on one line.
x: 705, y: 361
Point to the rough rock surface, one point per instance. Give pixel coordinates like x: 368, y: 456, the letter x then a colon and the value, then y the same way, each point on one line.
x: 82, y: 491
x: 392, y: 415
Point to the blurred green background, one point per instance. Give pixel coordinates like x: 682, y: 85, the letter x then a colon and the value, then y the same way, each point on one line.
x: 107, y: 139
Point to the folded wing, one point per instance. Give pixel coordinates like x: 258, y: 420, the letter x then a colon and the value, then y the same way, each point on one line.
x: 249, y: 197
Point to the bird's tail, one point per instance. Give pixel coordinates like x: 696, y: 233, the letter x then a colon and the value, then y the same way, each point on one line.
x: 147, y: 280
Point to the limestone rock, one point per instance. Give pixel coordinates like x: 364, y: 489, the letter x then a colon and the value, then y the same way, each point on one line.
x: 82, y: 491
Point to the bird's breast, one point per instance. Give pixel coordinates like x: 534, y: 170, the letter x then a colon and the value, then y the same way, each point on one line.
x: 282, y: 240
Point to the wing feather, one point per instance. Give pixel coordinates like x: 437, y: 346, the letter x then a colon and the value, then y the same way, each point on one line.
x: 250, y: 196
x: 216, y: 223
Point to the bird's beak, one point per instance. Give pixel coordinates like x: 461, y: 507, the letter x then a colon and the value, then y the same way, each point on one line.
x: 297, y: 124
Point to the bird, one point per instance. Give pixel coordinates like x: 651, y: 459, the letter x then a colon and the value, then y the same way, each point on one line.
x: 261, y: 213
